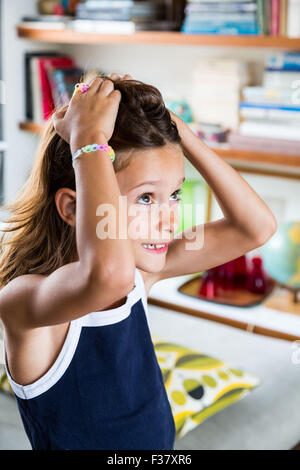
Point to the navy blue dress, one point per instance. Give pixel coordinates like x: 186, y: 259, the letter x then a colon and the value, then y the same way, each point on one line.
x: 105, y: 389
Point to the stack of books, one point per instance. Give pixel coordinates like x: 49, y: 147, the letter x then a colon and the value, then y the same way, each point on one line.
x: 270, y: 17
x: 104, y: 16
x: 216, y: 90
x: 49, y: 83
x: 56, y: 22
x: 222, y: 17
x: 115, y: 17
x: 270, y: 113
x: 213, y: 135
x: 122, y: 16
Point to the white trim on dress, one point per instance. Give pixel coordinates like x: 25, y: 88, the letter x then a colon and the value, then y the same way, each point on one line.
x: 62, y: 362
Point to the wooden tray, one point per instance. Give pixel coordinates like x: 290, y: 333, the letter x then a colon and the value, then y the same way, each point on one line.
x: 282, y: 299
x: 235, y: 298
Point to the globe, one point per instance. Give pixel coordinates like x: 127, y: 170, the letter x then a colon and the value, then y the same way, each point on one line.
x: 281, y: 255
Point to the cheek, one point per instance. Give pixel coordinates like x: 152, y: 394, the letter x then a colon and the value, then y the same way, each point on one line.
x: 138, y: 221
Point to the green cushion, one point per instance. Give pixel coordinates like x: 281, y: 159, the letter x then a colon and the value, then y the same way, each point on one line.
x: 4, y: 384
x: 198, y: 386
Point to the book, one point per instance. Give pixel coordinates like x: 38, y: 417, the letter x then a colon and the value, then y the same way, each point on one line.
x: 46, y: 95
x: 255, y: 94
x: 230, y: 7
x: 280, y: 78
x: 267, y: 13
x: 36, y: 91
x: 28, y: 80
x: 42, y: 104
x: 289, y: 60
x: 274, y: 17
x: 221, y: 18
x: 105, y: 10
x: 293, y: 19
x: 226, y: 28
x: 261, y: 18
x: 216, y: 17
x: 263, y: 144
x: 103, y: 27
x: 215, y: 95
x: 46, y: 21
x: 270, y: 111
x: 283, y: 17
x: 62, y: 82
x: 273, y: 130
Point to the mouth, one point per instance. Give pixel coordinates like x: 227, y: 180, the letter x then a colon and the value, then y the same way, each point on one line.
x: 155, y: 247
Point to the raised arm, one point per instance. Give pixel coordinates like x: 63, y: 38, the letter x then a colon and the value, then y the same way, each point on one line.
x: 247, y: 223
x: 104, y: 273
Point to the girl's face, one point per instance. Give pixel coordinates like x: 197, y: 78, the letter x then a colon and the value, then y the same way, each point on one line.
x: 151, y: 183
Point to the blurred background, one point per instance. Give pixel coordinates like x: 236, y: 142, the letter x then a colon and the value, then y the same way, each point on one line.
x: 231, y: 71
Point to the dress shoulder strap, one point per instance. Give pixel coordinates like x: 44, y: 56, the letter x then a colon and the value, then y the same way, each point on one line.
x: 142, y: 290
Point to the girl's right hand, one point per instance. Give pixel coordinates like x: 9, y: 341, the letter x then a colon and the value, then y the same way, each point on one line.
x: 89, y: 115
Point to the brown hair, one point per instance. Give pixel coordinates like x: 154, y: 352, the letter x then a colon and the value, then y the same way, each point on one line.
x: 39, y: 240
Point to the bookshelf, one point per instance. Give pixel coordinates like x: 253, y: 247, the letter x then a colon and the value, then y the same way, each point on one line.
x: 292, y: 161
x: 288, y: 165
x: 69, y: 36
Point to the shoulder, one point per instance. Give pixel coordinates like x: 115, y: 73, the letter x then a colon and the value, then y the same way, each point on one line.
x: 15, y: 295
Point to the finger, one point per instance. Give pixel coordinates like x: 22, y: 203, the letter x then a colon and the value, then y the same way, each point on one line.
x: 127, y: 77
x: 95, y: 85
x: 57, y: 115
x: 114, y: 76
x: 106, y: 87
x: 76, y: 94
x: 116, y: 94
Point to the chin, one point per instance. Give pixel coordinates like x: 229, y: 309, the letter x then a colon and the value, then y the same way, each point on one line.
x: 150, y: 266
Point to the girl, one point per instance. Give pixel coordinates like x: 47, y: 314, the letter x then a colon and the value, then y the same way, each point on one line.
x: 78, y: 351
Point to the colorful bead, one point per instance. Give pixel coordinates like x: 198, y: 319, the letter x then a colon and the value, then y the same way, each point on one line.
x: 80, y: 88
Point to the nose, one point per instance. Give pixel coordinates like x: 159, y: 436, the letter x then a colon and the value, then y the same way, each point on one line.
x: 167, y: 219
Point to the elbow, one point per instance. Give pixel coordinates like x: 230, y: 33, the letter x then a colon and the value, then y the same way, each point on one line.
x: 119, y: 276
x: 267, y: 231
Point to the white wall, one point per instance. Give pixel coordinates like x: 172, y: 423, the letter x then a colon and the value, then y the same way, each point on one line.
x: 21, y: 145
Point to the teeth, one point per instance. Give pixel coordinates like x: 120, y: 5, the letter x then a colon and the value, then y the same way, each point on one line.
x: 152, y: 246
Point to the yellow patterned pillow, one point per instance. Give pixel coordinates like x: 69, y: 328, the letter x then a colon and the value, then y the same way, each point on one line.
x: 4, y: 384
x: 197, y: 385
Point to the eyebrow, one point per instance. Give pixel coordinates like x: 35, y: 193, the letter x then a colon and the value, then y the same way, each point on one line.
x: 154, y: 183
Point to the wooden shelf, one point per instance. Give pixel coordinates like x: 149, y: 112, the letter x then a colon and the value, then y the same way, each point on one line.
x: 232, y: 154
x: 158, y: 37
x: 31, y: 127
x: 260, y: 157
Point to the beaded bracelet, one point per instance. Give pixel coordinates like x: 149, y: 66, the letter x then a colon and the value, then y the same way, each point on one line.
x: 93, y: 148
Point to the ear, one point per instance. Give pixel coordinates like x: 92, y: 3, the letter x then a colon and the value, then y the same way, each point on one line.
x: 65, y: 201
